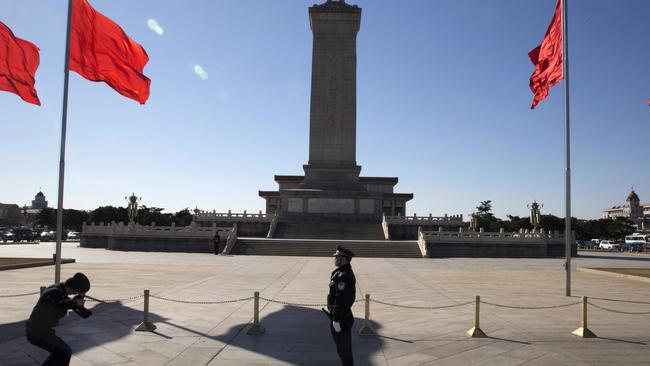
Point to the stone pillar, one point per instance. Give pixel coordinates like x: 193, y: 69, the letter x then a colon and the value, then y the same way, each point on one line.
x: 332, y: 120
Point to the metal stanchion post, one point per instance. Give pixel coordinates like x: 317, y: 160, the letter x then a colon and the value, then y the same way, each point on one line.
x: 366, y: 329
x: 583, y: 331
x: 475, y: 331
x: 146, y: 325
x: 256, y: 328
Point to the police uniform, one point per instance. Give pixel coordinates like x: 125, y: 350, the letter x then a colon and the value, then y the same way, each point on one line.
x: 50, y: 308
x: 342, y: 293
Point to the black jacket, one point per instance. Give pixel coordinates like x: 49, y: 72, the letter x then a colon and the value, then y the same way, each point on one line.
x: 50, y: 308
x: 342, y: 295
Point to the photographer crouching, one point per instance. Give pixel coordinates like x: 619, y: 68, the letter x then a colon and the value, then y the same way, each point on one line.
x: 53, y: 305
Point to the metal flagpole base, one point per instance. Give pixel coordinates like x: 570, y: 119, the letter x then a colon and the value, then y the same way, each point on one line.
x: 256, y: 329
x: 584, y: 333
x: 146, y: 327
x: 475, y: 332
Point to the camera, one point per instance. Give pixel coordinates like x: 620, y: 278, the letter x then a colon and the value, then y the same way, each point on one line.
x: 80, y: 310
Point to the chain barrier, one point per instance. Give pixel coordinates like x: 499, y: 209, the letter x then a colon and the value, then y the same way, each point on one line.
x: 421, y: 307
x: 92, y: 299
x: 293, y: 304
x: 530, y: 307
x: 201, y: 302
x: 618, y: 311
x: 18, y: 295
x: 626, y: 301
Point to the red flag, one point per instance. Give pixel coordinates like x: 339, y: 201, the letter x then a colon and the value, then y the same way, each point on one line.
x: 101, y: 51
x: 547, y: 58
x: 18, y: 63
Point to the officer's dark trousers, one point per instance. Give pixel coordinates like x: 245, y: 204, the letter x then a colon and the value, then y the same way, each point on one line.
x: 60, y: 352
x: 343, y: 340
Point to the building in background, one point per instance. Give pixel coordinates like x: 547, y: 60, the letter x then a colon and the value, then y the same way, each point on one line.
x: 634, y: 210
x: 12, y: 214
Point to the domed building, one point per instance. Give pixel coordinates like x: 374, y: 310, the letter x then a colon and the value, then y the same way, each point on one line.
x: 633, y: 209
x: 39, y: 201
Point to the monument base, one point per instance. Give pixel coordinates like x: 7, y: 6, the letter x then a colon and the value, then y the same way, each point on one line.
x: 332, y: 177
x: 330, y: 206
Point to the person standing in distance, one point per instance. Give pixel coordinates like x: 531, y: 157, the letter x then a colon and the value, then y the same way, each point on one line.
x: 53, y: 305
x: 339, y: 302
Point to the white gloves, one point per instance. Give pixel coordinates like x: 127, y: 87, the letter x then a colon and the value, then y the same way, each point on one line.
x: 337, y: 327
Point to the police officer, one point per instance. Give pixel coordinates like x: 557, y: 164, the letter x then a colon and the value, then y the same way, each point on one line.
x: 53, y: 305
x: 339, y: 301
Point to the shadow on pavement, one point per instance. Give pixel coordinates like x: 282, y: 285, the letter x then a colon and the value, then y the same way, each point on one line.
x: 294, y: 335
x: 301, y: 336
x: 80, y: 334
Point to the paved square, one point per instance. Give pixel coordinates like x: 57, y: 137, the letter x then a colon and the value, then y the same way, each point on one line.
x: 215, y: 334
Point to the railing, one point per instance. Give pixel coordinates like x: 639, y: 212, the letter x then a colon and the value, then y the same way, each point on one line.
x: 231, y: 241
x: 422, y: 243
x: 425, y: 220
x: 134, y: 229
x: 230, y: 216
x: 385, y: 226
x: 274, y: 224
x: 481, y: 236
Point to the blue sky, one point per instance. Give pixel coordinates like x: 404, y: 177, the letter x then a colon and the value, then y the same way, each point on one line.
x: 442, y: 103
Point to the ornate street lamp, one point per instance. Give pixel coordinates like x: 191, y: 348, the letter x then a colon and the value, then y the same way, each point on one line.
x: 535, y: 214
x: 132, y: 208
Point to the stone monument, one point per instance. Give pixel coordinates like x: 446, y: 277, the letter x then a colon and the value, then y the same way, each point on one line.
x: 331, y: 189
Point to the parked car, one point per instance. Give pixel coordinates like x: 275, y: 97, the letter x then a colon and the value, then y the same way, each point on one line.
x: 73, y: 235
x: 588, y: 244
x: 7, y: 235
x: 48, y: 235
x: 25, y: 235
x: 608, y: 245
x: 632, y: 247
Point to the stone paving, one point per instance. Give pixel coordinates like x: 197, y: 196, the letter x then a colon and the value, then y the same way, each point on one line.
x: 215, y: 334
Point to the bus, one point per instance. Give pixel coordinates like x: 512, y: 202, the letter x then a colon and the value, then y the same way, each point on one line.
x: 640, y: 240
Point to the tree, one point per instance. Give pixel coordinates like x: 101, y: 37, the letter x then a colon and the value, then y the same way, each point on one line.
x: 47, y: 217
x: 516, y: 223
x: 72, y: 219
x: 485, y: 218
x: 183, y: 217
x: 551, y: 222
x: 148, y: 215
x: 108, y: 214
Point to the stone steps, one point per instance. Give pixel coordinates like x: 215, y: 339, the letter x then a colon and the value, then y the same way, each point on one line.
x: 325, y: 248
x: 329, y: 230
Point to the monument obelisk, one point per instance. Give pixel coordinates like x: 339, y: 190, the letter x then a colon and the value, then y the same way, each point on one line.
x: 333, y: 113
x: 331, y: 191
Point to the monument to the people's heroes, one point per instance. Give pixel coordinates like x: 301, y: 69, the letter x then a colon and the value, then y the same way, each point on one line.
x: 331, y: 201
x: 331, y: 189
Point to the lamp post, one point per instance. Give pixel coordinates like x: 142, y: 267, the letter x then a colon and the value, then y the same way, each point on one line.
x: 535, y: 214
x: 132, y: 208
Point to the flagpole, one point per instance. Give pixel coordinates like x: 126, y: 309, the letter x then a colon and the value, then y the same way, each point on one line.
x: 568, y: 237
x: 64, y: 117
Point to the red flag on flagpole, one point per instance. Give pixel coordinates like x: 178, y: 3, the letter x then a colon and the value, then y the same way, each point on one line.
x: 547, y: 58
x: 19, y: 60
x: 101, y: 51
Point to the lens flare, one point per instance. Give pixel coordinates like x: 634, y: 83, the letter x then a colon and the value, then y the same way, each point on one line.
x: 198, y: 70
x: 154, y: 26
